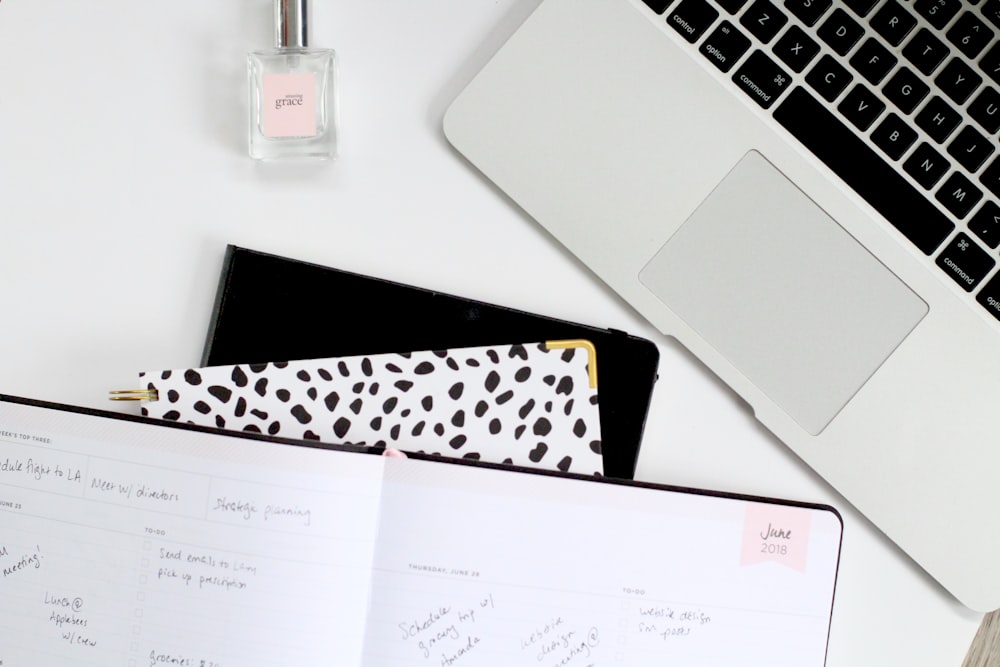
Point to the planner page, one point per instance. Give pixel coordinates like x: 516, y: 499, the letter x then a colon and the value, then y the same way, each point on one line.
x: 493, y: 568
x: 129, y: 545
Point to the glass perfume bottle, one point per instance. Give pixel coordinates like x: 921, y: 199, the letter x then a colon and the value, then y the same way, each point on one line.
x: 293, y: 102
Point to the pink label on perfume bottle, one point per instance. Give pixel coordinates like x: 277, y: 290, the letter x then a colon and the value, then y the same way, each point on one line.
x: 289, y: 102
x: 776, y: 533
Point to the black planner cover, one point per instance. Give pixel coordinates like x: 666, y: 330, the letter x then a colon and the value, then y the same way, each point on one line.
x: 271, y: 308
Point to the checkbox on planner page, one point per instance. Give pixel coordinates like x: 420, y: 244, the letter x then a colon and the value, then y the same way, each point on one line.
x: 142, y: 579
x: 140, y: 597
x: 138, y: 613
x: 134, y: 647
x: 145, y: 562
x: 147, y: 545
x: 624, y: 623
x: 136, y: 629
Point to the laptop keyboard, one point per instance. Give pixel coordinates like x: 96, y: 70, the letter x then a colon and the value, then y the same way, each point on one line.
x: 900, y: 99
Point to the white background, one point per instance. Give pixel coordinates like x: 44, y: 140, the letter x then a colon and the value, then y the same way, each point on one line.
x: 123, y: 175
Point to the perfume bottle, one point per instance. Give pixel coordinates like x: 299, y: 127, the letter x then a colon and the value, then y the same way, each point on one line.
x: 293, y: 104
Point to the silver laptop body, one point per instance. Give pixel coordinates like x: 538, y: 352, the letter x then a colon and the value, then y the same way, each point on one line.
x: 674, y: 165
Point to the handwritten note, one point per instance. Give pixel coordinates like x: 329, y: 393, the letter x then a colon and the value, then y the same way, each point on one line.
x: 158, y: 658
x: 670, y: 623
x: 200, y: 569
x: 558, y: 643
x: 447, y: 634
x: 69, y: 616
x: 42, y: 471
x: 11, y: 566
x: 249, y: 509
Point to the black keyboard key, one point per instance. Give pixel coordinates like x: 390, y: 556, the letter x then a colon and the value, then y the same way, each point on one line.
x: 991, y: 63
x: 965, y: 262
x: 761, y: 79
x: 829, y: 78
x: 795, y: 48
x: 959, y: 195
x: 938, y: 119
x: 864, y: 170
x: 894, y: 136
x: 970, y: 148
x: 861, y: 107
x: 958, y: 81
x: 986, y: 224
x: 991, y: 178
x: 893, y: 22
x: 925, y: 51
x: 873, y: 61
x: 938, y: 12
x: 991, y: 11
x: 985, y: 110
x: 808, y: 11
x: 763, y: 20
x: 658, y: 6
x: 840, y: 32
x: 989, y: 297
x: 725, y: 46
x: 905, y: 90
x: 926, y: 166
x: 970, y: 35
x: 692, y: 18
x: 860, y: 7
x: 731, y: 6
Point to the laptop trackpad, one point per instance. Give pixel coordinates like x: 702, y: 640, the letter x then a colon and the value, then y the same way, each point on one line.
x: 783, y: 292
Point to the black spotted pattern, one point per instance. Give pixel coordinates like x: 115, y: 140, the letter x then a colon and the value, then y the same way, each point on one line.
x: 301, y: 414
x: 221, y: 393
x: 503, y: 392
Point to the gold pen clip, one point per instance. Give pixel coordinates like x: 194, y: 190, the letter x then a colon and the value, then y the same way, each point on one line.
x: 134, y: 395
x: 579, y: 343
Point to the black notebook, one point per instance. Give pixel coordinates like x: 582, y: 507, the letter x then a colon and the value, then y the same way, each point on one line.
x: 271, y: 308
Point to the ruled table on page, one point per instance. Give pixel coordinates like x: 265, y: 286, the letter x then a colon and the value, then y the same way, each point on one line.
x: 184, y: 561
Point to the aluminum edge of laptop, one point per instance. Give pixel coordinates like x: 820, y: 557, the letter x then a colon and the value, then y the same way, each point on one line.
x: 611, y: 132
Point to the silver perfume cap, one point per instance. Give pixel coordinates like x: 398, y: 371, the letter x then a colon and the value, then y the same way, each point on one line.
x: 291, y: 23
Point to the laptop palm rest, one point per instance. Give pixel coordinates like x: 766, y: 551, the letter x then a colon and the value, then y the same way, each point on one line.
x: 783, y: 292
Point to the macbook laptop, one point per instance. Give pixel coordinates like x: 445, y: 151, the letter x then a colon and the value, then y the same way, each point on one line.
x: 803, y: 193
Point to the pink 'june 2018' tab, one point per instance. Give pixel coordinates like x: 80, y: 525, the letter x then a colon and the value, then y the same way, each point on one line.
x: 776, y: 533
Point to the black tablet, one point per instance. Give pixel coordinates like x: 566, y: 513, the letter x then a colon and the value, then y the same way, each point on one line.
x: 271, y: 308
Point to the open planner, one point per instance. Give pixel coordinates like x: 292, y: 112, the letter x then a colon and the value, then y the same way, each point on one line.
x: 125, y: 542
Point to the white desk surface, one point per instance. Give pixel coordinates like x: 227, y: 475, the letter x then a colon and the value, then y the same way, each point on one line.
x: 123, y: 175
